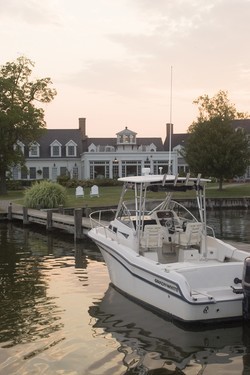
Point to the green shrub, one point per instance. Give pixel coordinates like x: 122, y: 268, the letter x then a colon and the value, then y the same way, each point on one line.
x: 14, y: 185
x: 62, y: 180
x: 73, y: 183
x: 45, y: 194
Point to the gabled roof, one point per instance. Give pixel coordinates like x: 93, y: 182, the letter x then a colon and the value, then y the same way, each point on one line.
x: 157, y: 141
x: 61, y: 135
x: 176, y: 140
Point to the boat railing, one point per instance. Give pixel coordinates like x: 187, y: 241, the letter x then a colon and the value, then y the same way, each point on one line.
x: 211, y: 230
x: 101, y: 222
x: 101, y: 218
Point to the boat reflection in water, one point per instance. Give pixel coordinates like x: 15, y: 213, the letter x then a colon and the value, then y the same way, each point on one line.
x: 151, y: 343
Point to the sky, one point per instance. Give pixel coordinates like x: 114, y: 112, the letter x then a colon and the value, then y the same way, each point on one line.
x: 134, y: 63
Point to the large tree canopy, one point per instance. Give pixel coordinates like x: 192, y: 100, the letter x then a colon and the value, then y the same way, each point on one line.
x: 20, y: 119
x: 214, y: 148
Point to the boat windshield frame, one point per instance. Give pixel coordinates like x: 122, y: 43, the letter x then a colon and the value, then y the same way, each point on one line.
x: 142, y: 184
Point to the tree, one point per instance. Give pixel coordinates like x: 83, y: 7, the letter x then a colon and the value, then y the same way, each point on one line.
x: 20, y: 119
x: 213, y: 147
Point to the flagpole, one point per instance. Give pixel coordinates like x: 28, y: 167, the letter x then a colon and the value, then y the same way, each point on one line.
x: 170, y: 119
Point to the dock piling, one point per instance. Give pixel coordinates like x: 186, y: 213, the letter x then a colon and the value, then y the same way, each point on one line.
x: 78, y: 224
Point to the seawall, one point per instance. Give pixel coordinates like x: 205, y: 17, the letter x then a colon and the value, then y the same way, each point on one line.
x: 219, y: 203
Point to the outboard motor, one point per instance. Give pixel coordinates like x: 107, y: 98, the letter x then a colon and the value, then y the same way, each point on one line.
x: 246, y: 289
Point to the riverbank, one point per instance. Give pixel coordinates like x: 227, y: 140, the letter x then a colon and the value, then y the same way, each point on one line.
x: 190, y: 203
x: 232, y: 195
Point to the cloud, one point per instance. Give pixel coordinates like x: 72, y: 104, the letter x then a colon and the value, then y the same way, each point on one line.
x: 32, y: 12
x: 121, y: 51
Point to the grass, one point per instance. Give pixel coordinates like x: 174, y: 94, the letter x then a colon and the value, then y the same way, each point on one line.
x: 109, y: 196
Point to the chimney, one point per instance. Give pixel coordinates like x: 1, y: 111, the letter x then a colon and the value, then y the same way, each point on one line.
x: 169, y: 129
x: 82, y: 127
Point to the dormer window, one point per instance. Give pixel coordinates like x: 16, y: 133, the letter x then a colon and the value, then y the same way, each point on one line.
x: 152, y: 147
x: 71, y: 149
x: 19, y: 146
x: 56, y: 149
x: 34, y: 150
x: 92, y: 148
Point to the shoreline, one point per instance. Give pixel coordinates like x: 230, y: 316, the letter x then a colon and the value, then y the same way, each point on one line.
x: 211, y: 204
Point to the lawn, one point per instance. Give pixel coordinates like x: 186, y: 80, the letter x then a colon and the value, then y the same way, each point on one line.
x: 109, y: 196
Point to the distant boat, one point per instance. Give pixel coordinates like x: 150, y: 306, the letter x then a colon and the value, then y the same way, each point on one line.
x: 159, y: 253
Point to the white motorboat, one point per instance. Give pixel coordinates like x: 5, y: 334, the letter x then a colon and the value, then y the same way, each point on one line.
x: 160, y: 254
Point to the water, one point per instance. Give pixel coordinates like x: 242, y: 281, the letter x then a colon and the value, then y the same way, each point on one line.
x: 60, y: 316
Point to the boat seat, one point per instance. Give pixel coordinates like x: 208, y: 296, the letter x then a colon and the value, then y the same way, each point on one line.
x: 191, y: 236
x: 152, y: 236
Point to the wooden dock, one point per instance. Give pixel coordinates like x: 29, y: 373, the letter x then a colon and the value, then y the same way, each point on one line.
x: 75, y: 224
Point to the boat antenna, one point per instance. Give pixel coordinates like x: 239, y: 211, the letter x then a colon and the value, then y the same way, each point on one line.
x: 170, y: 120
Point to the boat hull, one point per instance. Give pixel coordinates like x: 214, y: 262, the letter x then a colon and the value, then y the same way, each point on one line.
x: 150, y: 284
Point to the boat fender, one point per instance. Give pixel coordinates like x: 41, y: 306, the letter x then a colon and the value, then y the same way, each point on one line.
x: 246, y: 289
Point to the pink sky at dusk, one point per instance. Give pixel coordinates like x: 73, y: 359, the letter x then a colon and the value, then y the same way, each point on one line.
x: 110, y: 60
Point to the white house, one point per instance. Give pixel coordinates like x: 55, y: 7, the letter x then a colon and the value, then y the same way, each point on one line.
x: 71, y: 152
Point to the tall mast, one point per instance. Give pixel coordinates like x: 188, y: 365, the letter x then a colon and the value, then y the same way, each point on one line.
x: 170, y: 120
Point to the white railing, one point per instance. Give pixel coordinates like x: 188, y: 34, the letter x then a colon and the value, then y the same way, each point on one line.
x: 101, y: 218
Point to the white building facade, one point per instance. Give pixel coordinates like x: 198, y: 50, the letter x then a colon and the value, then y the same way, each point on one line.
x: 72, y: 153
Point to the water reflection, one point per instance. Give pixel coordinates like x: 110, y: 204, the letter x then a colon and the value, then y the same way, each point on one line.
x: 230, y: 225
x: 54, y: 305
x: 150, y: 342
x: 27, y: 313
x: 26, y: 260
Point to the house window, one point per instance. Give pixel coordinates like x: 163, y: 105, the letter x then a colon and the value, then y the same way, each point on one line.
x: 115, y: 170
x: 125, y: 138
x: 55, y: 151
x: 64, y: 171
x: 75, y: 173
x: 99, y: 169
x: 46, y: 172
x: 54, y: 173
x: 71, y: 151
x: 164, y: 164
x: 24, y: 174
x: 34, y: 150
x: 15, y: 173
x: 71, y: 147
x: 32, y: 173
x: 131, y: 168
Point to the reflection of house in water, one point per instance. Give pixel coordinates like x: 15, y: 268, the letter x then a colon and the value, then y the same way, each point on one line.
x: 151, y: 342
